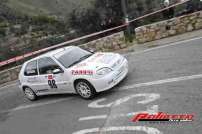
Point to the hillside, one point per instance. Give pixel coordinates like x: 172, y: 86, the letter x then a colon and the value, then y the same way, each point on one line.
x: 28, y: 25
x: 53, y: 7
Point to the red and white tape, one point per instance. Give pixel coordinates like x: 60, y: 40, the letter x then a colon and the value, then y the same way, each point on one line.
x: 18, y: 58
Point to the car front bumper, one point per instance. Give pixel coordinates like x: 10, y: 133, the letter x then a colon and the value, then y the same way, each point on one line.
x: 111, y: 79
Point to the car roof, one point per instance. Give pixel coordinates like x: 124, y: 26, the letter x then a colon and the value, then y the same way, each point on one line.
x: 52, y: 53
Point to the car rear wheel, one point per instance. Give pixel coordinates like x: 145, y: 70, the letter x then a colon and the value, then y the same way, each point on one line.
x: 85, y: 89
x: 29, y: 93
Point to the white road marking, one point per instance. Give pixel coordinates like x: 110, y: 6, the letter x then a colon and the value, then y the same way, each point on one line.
x: 149, y: 97
x: 164, y: 46
x: 135, y: 128
x: 147, y: 130
x: 95, y: 104
x: 151, y: 110
x: 164, y: 81
x: 36, y: 105
x: 95, y: 117
x: 7, y: 86
x: 147, y: 50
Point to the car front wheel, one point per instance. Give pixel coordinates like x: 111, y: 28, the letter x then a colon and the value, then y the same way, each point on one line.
x: 85, y: 89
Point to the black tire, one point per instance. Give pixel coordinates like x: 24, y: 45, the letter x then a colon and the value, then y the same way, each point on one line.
x: 29, y: 93
x: 85, y: 89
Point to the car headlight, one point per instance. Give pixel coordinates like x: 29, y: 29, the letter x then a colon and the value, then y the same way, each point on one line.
x: 103, y: 71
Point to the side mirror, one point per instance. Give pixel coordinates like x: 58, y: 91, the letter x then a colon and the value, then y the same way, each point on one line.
x: 57, y: 71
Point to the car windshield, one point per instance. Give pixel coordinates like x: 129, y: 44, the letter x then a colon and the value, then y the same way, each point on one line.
x: 72, y: 57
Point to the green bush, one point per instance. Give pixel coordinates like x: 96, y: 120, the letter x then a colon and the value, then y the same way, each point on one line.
x: 2, y: 32
x: 4, y: 24
x: 41, y: 19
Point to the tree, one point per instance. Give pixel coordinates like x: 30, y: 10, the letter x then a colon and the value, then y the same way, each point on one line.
x: 85, y: 21
x: 108, y: 13
x: 103, y: 15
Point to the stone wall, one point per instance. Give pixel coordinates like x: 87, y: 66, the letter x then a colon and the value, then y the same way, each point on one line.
x: 143, y: 34
x: 170, y: 27
x: 9, y: 75
x: 110, y: 43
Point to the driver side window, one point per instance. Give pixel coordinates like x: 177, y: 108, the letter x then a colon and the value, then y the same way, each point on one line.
x: 47, y: 66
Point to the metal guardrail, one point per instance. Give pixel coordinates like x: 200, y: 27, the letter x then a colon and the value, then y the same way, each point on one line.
x: 18, y: 58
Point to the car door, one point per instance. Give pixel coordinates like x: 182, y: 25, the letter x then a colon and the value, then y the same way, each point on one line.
x: 31, y: 75
x: 52, y: 75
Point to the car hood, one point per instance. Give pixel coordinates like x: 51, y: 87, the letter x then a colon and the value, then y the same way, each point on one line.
x: 99, y: 60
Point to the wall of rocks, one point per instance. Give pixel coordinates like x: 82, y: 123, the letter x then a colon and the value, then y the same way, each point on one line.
x: 170, y: 27
x: 9, y: 75
x: 110, y: 43
x: 145, y: 33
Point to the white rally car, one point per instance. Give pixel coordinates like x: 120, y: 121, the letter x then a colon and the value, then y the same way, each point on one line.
x: 72, y: 70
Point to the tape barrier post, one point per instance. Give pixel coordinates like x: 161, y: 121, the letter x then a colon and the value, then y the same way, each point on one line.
x: 158, y: 11
x: 18, y: 58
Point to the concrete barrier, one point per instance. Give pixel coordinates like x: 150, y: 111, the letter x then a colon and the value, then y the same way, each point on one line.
x: 170, y: 27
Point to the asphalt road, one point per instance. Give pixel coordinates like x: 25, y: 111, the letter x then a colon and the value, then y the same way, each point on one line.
x: 162, y: 79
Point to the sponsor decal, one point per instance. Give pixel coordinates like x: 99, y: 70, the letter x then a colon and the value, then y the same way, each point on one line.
x: 162, y: 117
x: 82, y: 65
x: 82, y: 72
x: 42, y: 90
x: 31, y: 71
x: 96, y: 57
x: 50, y: 77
